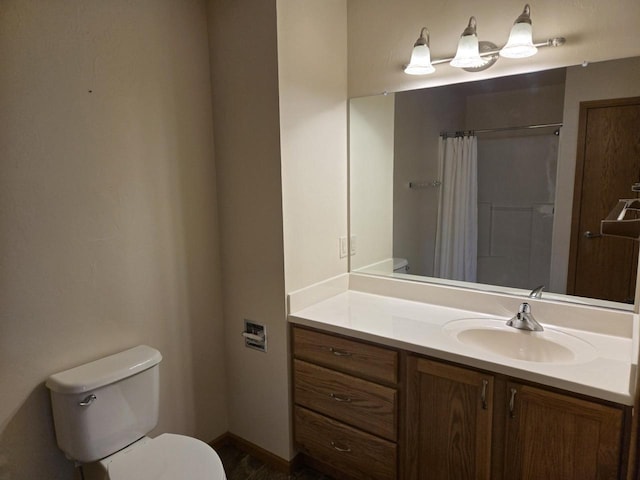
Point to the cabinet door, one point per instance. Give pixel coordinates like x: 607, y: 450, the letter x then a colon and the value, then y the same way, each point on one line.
x: 449, y: 416
x: 555, y: 436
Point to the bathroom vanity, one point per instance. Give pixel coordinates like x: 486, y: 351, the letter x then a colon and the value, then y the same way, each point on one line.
x: 384, y: 388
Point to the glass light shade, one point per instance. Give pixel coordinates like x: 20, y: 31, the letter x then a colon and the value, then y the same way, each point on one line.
x: 420, y: 63
x: 520, y: 44
x: 468, y: 53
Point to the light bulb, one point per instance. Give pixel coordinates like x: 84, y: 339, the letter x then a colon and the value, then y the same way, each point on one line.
x: 468, y: 53
x: 420, y: 63
x: 520, y: 43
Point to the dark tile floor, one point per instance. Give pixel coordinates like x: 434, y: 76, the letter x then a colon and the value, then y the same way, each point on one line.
x: 240, y: 466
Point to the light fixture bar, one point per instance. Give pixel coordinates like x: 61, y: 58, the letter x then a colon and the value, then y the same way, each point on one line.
x: 552, y: 42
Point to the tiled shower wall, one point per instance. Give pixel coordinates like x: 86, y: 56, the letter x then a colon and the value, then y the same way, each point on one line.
x: 516, y: 189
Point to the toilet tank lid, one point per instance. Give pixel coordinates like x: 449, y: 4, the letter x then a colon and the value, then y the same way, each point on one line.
x: 104, y: 371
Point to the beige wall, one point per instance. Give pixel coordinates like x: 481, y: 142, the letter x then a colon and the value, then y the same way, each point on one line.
x: 107, y: 212
x: 243, y: 43
x: 598, y: 81
x: 312, y: 73
x: 111, y: 203
x: 280, y: 134
x: 371, y: 129
x: 537, y: 104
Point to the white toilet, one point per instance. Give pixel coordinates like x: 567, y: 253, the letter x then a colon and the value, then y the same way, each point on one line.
x: 102, y: 412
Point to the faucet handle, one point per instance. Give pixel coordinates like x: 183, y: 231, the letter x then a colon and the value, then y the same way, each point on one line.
x: 524, y: 319
x: 524, y: 308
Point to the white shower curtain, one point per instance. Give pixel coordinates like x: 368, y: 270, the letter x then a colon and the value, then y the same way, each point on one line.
x: 456, y: 253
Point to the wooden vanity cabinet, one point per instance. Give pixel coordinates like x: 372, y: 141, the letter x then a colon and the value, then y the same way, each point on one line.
x: 449, y: 421
x: 345, y: 396
x: 456, y: 423
x: 467, y: 424
x: 560, y: 437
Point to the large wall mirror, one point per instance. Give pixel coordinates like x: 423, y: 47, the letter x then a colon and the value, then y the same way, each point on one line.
x: 524, y: 133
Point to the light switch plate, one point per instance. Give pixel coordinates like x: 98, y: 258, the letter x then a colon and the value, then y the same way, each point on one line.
x: 344, y: 247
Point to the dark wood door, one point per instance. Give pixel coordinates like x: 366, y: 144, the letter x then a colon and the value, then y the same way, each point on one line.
x: 607, y: 164
x: 558, y: 437
x: 449, y: 417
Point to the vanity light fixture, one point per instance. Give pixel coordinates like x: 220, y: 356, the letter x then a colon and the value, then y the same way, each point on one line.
x: 468, y: 53
x: 473, y: 55
x: 520, y: 43
x: 420, y: 63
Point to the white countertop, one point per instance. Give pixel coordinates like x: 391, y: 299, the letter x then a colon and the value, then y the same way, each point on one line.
x: 608, y: 374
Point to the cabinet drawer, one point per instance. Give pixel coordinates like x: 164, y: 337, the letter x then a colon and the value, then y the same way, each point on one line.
x: 346, y: 355
x: 356, y: 453
x: 358, y: 402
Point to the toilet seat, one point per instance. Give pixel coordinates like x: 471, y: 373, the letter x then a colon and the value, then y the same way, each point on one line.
x: 166, y: 457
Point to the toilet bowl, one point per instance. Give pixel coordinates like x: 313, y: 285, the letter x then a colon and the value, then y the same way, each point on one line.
x: 400, y: 265
x: 166, y: 457
x: 103, y: 411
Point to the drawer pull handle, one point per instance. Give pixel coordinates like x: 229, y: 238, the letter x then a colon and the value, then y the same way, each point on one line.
x: 340, y: 448
x: 512, y: 403
x: 483, y: 395
x: 339, y: 353
x: 339, y: 398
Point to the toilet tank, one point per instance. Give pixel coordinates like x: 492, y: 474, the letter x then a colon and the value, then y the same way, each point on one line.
x: 103, y: 406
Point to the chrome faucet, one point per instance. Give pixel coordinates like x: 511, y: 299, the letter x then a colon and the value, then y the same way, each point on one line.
x: 524, y: 320
x: 536, y: 292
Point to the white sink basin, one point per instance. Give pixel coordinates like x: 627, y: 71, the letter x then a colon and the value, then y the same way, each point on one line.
x: 494, y: 336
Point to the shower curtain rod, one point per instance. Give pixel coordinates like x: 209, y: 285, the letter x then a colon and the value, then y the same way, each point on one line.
x: 461, y: 133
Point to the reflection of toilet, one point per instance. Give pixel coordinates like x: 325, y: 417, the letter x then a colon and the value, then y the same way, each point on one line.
x: 400, y: 265
x: 102, y: 411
